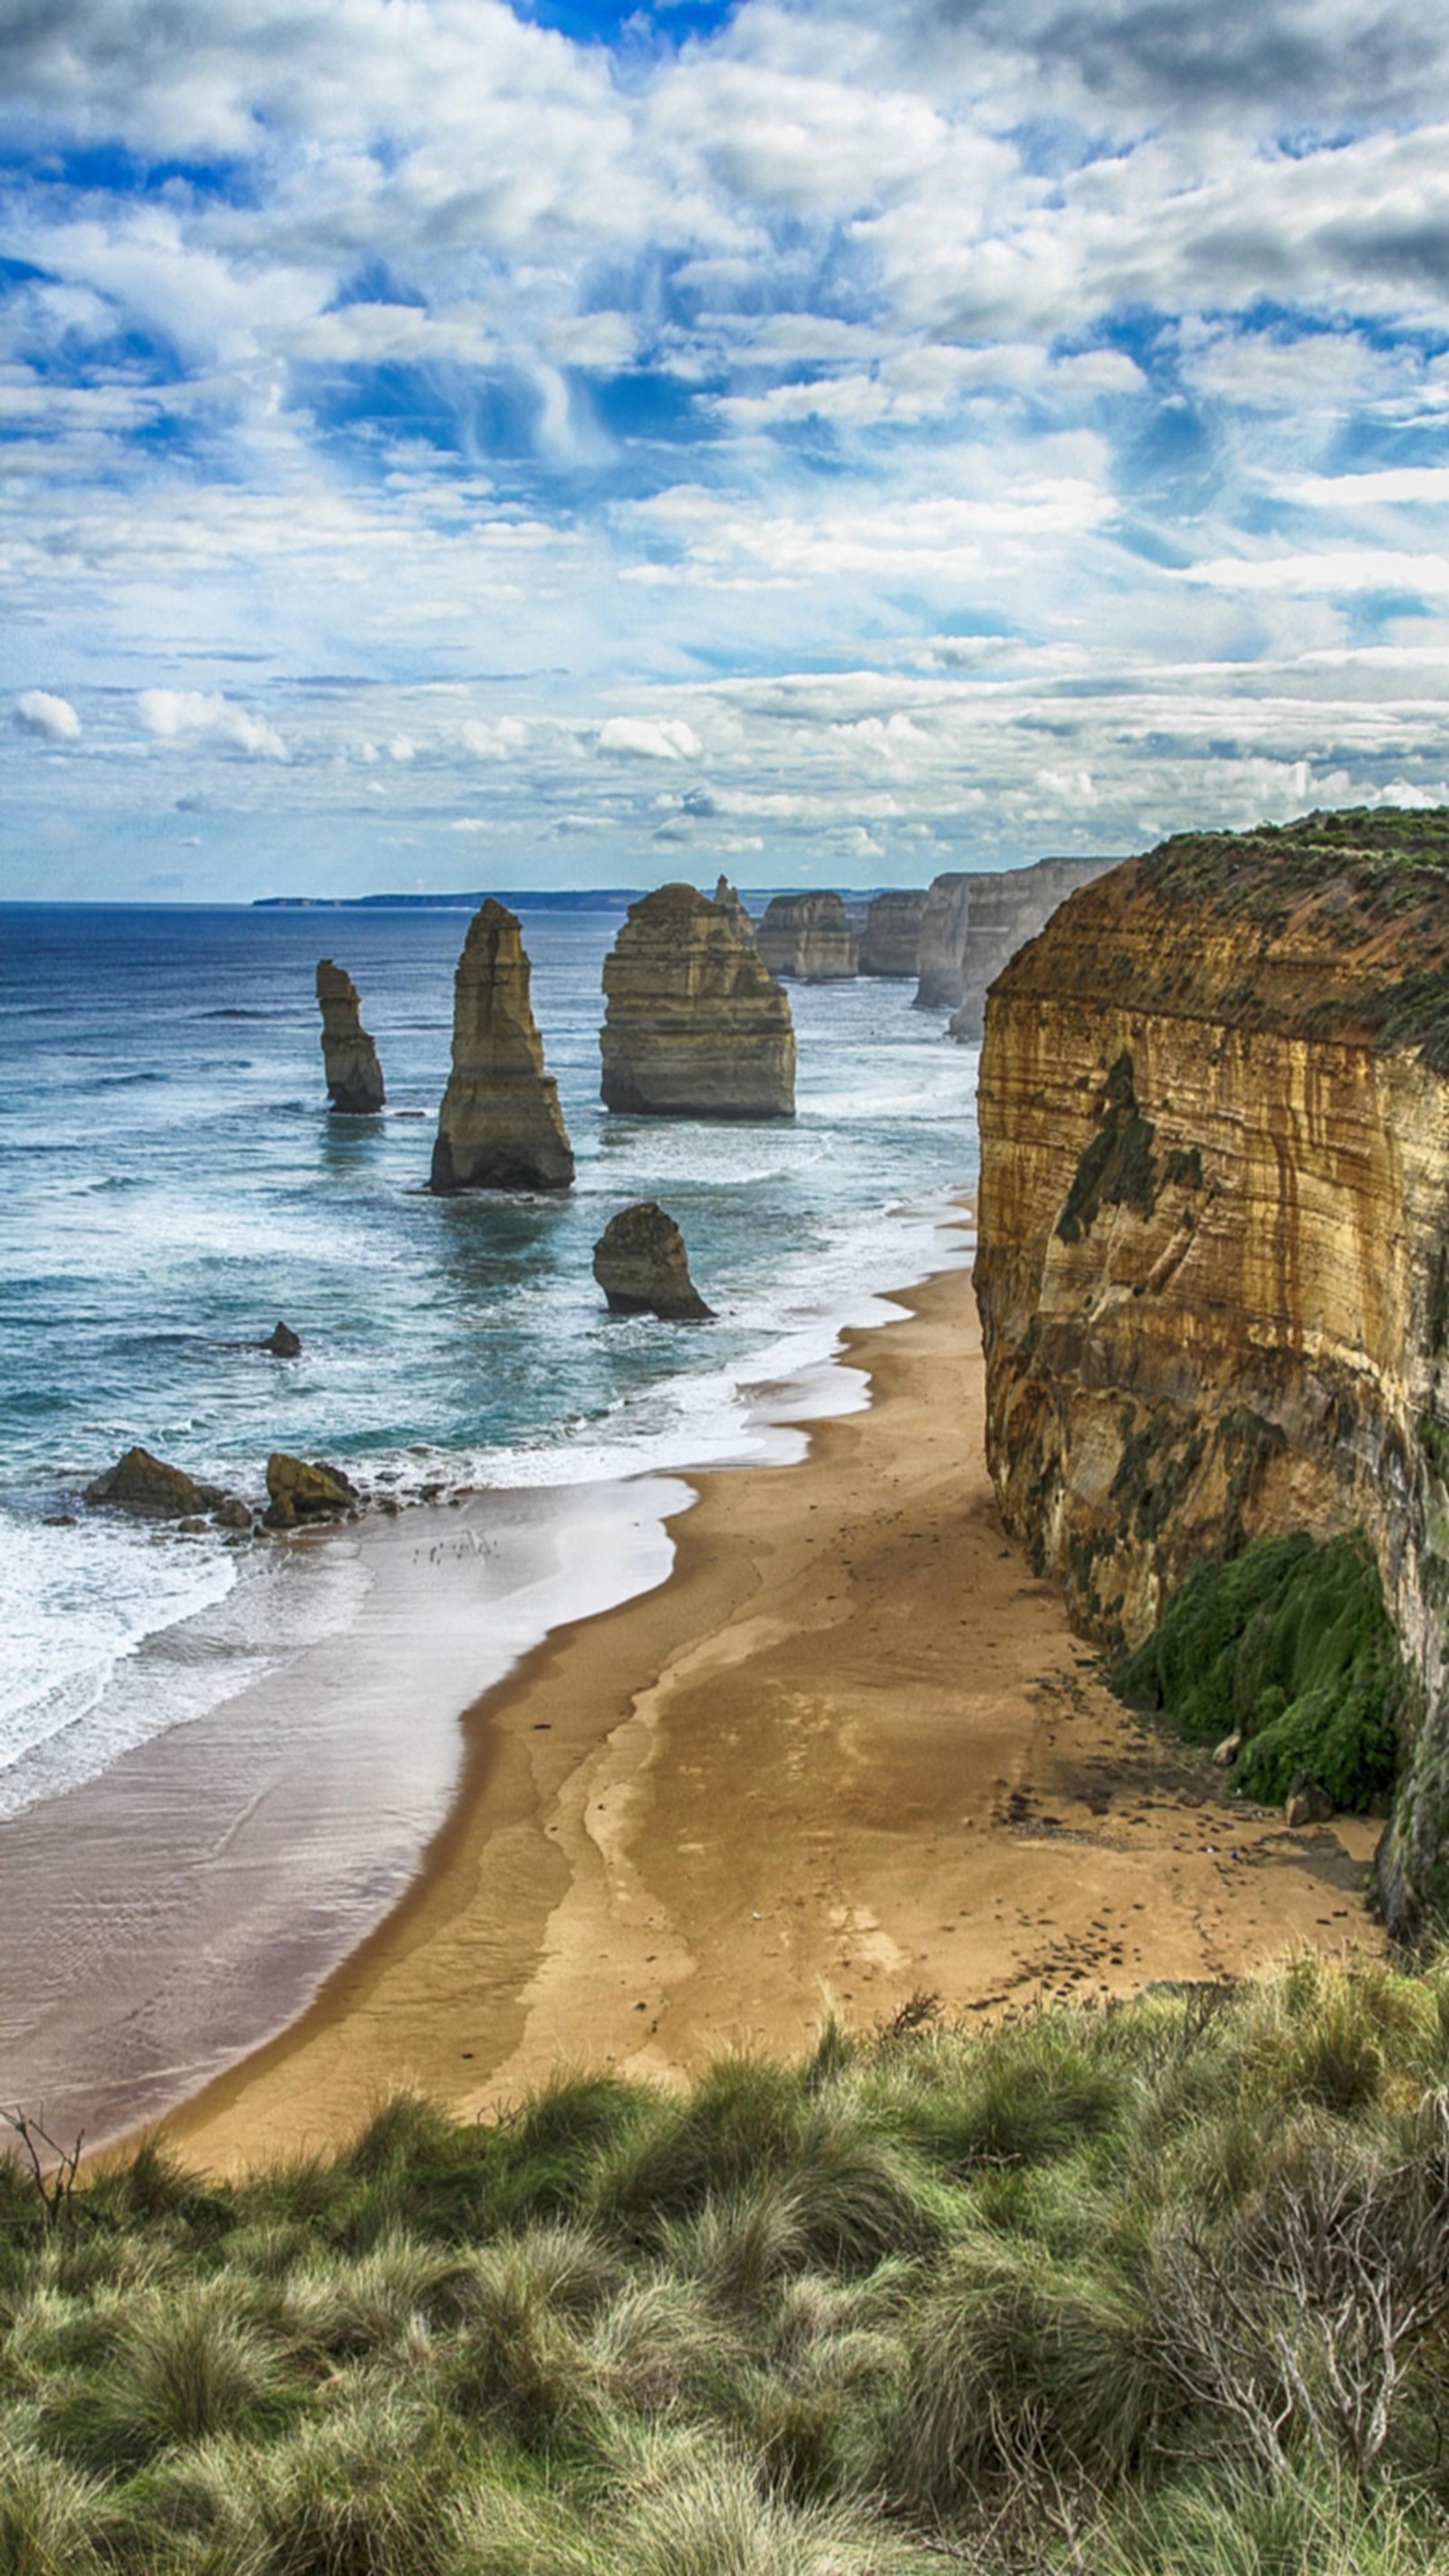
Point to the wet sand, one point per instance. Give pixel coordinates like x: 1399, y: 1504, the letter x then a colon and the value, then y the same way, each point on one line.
x: 849, y: 1750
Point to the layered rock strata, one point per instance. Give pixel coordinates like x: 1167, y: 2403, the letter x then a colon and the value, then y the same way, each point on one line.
x: 641, y: 1264
x: 971, y: 925
x: 1214, y: 1239
x: 349, y: 1058
x: 500, y: 1126
x: 695, y: 1025
x: 891, y: 943
x: 809, y: 938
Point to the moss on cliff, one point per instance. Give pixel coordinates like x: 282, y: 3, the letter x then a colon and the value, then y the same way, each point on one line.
x: 1288, y: 1644
x: 1118, y: 1168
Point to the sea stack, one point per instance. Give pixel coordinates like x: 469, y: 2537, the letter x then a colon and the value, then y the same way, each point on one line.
x: 354, y: 1076
x: 808, y: 937
x: 695, y: 1026
x: 729, y: 901
x: 892, y: 941
x: 641, y: 1264
x: 500, y: 1126
x: 1213, y: 1265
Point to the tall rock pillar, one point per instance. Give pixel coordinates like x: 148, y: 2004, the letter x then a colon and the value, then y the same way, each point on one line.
x: 500, y: 1126
x: 696, y: 1026
x: 349, y: 1058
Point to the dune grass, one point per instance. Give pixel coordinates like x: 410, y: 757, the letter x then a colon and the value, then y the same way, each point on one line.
x: 1137, y: 2290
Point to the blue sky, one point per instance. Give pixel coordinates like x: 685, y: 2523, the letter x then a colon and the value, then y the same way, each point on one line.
x: 451, y: 445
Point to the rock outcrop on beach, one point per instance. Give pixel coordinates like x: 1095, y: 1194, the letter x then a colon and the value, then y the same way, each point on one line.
x: 971, y: 925
x: 302, y: 1489
x: 1214, y: 1240
x: 152, y: 1489
x: 729, y: 901
x: 695, y: 1025
x: 891, y: 941
x: 349, y: 1058
x: 642, y: 1266
x: 808, y: 938
x: 500, y: 1126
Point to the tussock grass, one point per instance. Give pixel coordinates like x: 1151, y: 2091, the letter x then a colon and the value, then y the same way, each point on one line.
x: 1151, y: 2290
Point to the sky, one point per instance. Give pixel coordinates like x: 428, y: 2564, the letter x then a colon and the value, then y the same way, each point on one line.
x: 446, y: 445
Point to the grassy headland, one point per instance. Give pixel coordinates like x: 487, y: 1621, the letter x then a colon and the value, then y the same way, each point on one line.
x: 1156, y: 2286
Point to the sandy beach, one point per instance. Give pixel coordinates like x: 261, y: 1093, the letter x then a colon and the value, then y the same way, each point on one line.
x: 850, y: 1750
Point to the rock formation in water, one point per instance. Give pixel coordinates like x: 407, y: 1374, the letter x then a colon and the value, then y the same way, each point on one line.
x: 641, y: 1264
x: 695, y: 1025
x: 729, y: 901
x: 301, y: 1489
x: 282, y: 1343
x: 809, y: 938
x: 971, y: 924
x: 153, y: 1489
x: 1214, y: 1239
x: 500, y: 1126
x: 891, y: 943
x: 349, y: 1058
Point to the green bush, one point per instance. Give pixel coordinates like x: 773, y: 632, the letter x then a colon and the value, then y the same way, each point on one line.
x: 1290, y: 1646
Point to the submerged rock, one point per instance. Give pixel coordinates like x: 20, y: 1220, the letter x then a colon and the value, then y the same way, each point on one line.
x: 349, y: 1058
x: 808, y: 937
x: 300, y: 1489
x: 695, y: 1025
x: 282, y: 1343
x: 500, y: 1126
x: 891, y: 943
x: 152, y: 1488
x: 641, y: 1264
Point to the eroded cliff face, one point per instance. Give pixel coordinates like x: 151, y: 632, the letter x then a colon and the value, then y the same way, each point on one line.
x: 891, y: 944
x: 1214, y: 1238
x: 695, y: 1025
x: 808, y: 937
x: 971, y: 925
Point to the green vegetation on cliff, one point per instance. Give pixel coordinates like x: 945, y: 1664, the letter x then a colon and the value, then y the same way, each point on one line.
x: 1136, y: 2290
x: 1289, y: 1645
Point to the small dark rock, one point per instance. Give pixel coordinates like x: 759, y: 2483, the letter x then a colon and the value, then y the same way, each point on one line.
x: 282, y: 1342
x: 1308, y: 1802
x: 232, y: 1514
x: 641, y: 1264
x: 150, y: 1487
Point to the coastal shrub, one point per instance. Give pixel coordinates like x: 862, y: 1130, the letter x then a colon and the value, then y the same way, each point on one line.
x: 1288, y: 1644
x: 993, y: 2297
x: 1014, y: 2357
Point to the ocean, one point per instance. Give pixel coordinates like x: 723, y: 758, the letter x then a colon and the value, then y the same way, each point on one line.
x: 174, y: 1184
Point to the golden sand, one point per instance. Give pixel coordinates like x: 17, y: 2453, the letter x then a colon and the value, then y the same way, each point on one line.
x: 850, y: 1749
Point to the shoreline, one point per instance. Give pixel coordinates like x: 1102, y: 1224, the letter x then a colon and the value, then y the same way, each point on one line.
x: 848, y: 1748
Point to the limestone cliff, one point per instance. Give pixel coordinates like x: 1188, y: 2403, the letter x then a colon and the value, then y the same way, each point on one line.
x: 695, y: 1025
x: 808, y: 937
x: 971, y: 924
x: 500, y: 1126
x: 891, y: 944
x: 349, y: 1058
x: 1214, y: 1238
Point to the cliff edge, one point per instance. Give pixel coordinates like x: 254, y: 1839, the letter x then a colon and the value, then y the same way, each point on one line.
x: 1214, y: 1240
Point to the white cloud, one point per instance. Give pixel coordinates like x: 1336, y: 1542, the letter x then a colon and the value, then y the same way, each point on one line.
x: 173, y: 715
x: 39, y: 711
x: 644, y: 738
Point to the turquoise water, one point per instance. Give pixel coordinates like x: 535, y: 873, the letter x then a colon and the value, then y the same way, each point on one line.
x: 173, y: 1184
